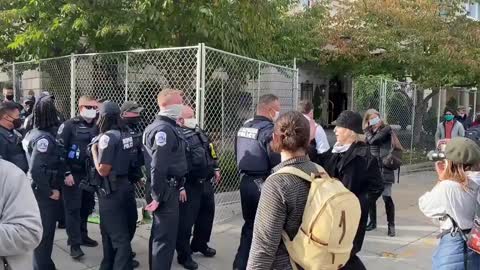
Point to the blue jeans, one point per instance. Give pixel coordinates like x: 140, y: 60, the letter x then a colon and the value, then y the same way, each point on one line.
x: 449, y: 255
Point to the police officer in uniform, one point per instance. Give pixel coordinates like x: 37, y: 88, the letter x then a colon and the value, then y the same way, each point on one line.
x: 131, y: 115
x: 165, y: 158
x: 28, y: 122
x: 255, y: 159
x: 10, y: 139
x: 198, y: 206
x: 74, y: 135
x: 46, y: 165
x: 116, y: 198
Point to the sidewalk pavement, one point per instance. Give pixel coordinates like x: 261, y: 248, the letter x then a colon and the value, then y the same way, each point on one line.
x: 411, y: 249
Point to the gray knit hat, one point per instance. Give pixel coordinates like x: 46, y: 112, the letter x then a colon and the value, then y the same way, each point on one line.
x: 462, y: 150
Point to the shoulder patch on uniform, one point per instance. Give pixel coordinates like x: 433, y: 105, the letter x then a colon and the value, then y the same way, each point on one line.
x: 60, y: 129
x: 42, y: 145
x: 161, y: 138
x: 103, y: 143
x: 249, y: 133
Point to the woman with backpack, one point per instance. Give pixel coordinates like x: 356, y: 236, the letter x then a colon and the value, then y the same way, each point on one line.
x: 352, y: 163
x: 452, y: 202
x: 283, y: 197
x: 378, y: 136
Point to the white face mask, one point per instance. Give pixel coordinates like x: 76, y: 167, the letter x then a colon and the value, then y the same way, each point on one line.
x: 88, y: 114
x: 190, y: 123
x: 173, y: 111
x: 374, y: 121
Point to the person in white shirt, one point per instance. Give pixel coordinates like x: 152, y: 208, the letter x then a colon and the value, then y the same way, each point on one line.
x: 454, y: 197
x: 318, y: 138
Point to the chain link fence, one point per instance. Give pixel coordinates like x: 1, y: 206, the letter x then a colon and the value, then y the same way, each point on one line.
x: 221, y: 87
x: 405, y: 106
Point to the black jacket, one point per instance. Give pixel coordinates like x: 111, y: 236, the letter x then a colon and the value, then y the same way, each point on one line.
x: 358, y: 171
x: 380, y: 143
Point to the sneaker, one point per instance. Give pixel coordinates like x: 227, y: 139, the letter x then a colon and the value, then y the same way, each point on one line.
x: 76, y: 252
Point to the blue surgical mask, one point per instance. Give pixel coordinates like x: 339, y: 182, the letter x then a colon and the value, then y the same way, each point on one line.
x: 374, y: 121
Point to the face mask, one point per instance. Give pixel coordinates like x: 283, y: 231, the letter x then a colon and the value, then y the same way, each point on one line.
x: 132, y: 120
x: 88, y: 114
x: 173, y: 111
x: 448, y: 117
x: 16, y: 122
x: 9, y: 97
x: 190, y: 123
x: 374, y: 121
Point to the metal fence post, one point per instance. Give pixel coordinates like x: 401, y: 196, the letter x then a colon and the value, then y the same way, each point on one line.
x: 258, y: 83
x: 126, y: 76
x: 72, y: 85
x: 202, y: 86
x: 414, y: 108
x: 14, y: 81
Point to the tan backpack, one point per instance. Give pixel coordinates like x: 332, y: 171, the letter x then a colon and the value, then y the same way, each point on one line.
x: 329, y: 224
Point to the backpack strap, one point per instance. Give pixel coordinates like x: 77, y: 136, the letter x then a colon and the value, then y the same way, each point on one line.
x: 297, y: 172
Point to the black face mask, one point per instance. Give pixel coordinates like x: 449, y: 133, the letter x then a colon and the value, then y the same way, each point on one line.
x: 17, y: 123
x: 132, y: 120
x: 9, y: 97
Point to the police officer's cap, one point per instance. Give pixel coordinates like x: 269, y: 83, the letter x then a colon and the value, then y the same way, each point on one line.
x: 109, y: 108
x: 131, y: 106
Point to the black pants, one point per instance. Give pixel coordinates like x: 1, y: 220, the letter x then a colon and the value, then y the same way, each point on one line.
x: 79, y: 205
x: 249, y: 195
x: 117, y: 213
x: 198, y: 210
x: 163, y: 235
x: 49, y: 212
x: 389, y: 209
x: 354, y: 263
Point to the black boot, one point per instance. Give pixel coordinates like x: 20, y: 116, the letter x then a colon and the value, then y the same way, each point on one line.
x: 390, y: 209
x: 206, y: 251
x: 372, y: 225
x: 76, y: 252
x: 188, y: 263
x: 89, y: 242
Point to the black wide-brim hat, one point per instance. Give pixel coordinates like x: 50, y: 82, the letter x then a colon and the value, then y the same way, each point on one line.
x: 350, y: 120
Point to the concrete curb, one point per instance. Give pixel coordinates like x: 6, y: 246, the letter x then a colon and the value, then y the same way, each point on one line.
x: 419, y: 167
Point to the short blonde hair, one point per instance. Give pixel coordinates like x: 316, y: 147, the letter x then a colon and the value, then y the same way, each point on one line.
x: 165, y: 95
x: 86, y: 98
x: 367, y: 115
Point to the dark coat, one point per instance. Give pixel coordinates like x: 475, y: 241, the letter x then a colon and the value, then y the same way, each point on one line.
x: 358, y: 171
x: 380, y: 143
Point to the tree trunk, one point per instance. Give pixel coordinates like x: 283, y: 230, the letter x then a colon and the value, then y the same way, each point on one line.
x: 421, y: 106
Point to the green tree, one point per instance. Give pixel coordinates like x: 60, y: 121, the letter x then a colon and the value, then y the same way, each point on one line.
x: 427, y: 41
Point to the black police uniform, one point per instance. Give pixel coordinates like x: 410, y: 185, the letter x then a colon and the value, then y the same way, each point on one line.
x: 199, y: 209
x: 46, y: 164
x: 117, y: 206
x: 11, y: 148
x: 255, y: 160
x: 132, y: 143
x: 74, y: 136
x: 165, y: 158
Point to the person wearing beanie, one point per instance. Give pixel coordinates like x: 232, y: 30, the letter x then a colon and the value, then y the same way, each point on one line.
x: 352, y: 163
x: 454, y: 198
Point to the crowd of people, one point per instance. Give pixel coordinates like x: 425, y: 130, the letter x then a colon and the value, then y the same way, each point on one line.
x: 102, y: 150
x: 288, y: 171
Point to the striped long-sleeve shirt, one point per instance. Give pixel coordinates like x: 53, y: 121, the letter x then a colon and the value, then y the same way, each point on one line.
x: 280, y: 209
